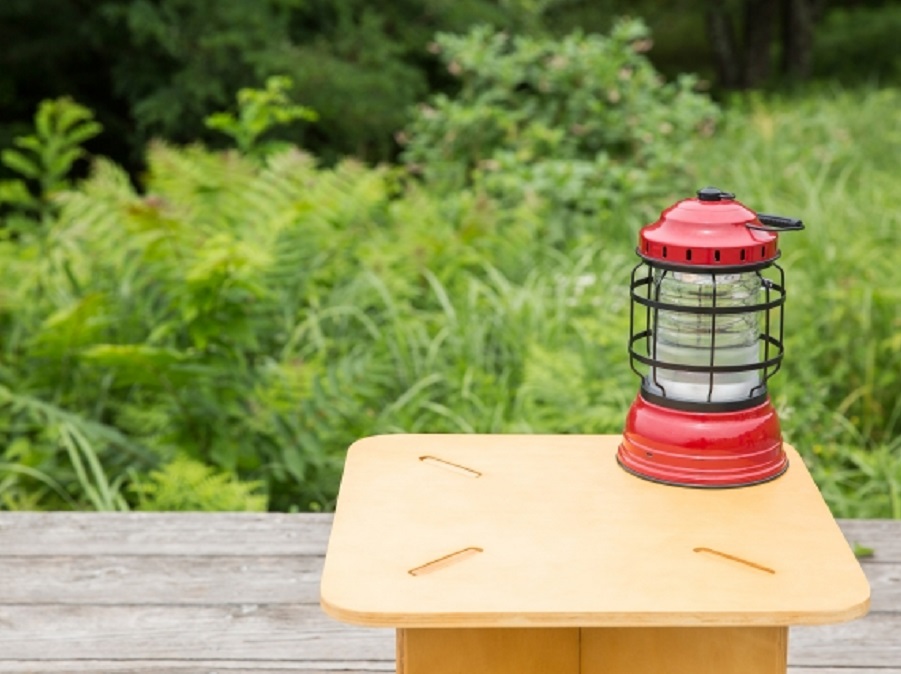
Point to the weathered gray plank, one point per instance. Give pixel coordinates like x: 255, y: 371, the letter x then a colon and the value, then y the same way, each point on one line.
x: 88, y: 533
x: 884, y: 536
x: 160, y: 579
x: 230, y: 632
x: 842, y: 670
x: 873, y: 641
x: 885, y: 586
x: 202, y: 667
x: 302, y: 634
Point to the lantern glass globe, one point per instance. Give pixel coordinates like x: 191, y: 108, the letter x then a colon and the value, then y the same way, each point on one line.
x: 694, y: 339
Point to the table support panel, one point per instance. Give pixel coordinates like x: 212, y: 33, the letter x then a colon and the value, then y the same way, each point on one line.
x: 488, y: 651
x: 685, y: 650
x: 613, y: 650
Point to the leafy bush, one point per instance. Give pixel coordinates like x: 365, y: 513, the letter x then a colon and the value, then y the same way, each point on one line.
x: 584, y: 124
x: 186, y: 484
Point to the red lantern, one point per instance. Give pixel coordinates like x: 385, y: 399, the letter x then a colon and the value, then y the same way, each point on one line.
x: 706, y: 336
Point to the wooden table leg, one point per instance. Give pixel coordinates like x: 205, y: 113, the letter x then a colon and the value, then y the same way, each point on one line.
x: 684, y: 650
x: 488, y: 651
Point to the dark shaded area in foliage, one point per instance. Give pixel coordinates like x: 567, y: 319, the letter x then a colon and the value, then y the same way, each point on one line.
x: 156, y: 68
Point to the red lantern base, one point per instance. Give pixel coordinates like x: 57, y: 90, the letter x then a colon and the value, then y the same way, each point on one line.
x: 702, y: 449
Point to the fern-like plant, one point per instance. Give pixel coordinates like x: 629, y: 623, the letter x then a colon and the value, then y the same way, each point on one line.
x: 258, y: 111
x: 44, y: 158
x: 185, y: 484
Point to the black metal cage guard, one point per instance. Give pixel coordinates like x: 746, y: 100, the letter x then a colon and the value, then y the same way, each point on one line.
x: 774, y: 293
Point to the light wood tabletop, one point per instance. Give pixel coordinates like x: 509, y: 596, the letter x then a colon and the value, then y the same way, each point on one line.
x: 548, y: 530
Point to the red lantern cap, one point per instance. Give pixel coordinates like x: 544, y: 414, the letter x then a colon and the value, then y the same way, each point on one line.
x: 712, y: 230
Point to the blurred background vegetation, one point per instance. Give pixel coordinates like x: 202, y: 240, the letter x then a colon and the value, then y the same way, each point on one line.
x: 156, y: 68
x: 236, y: 236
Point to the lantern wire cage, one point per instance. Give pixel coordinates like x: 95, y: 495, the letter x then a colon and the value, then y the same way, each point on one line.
x: 644, y: 347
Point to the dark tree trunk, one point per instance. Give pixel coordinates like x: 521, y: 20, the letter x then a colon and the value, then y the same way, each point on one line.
x: 798, y: 18
x: 747, y: 63
x: 759, y: 21
x: 725, y: 47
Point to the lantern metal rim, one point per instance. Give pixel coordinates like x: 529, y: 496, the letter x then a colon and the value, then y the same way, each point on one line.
x: 696, y: 485
x: 696, y: 406
x: 708, y: 268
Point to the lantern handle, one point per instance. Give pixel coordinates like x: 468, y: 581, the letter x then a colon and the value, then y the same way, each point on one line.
x: 776, y: 223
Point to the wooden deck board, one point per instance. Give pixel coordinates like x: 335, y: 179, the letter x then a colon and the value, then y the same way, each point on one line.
x: 211, y: 666
x: 226, y: 534
x: 191, y: 593
x: 271, y: 667
x: 160, y: 579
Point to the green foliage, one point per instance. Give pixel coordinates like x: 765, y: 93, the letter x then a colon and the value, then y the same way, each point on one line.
x: 583, y: 124
x: 44, y: 158
x: 242, y: 319
x: 860, y: 45
x: 51, y: 453
x: 259, y: 314
x: 158, y: 68
x: 258, y: 111
x: 47, y: 155
x: 185, y: 484
x: 180, y: 61
x: 262, y: 317
x: 862, y: 551
x: 830, y: 156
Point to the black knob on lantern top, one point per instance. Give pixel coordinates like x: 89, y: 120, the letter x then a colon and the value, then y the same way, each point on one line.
x: 714, y: 194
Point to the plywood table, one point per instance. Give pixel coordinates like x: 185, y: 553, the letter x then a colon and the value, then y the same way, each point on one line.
x: 515, y: 554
